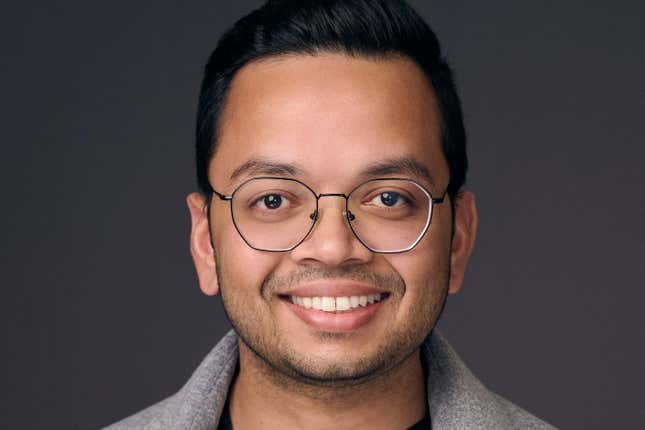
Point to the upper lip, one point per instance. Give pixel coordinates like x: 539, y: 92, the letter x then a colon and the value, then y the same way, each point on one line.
x: 332, y: 289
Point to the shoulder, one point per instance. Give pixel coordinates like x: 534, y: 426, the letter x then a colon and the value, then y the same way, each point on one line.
x: 458, y: 399
x: 153, y: 417
x: 199, y: 402
x: 518, y: 417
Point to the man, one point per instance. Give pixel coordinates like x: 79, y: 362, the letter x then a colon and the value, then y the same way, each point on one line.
x: 332, y: 220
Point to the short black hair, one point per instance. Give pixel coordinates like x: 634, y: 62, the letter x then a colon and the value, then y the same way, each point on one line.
x: 357, y: 28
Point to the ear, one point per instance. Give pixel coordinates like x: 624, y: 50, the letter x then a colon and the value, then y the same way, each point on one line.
x: 200, y: 245
x: 463, y: 241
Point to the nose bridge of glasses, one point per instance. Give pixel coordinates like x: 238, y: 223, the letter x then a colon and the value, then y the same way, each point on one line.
x: 315, y: 215
x: 331, y: 195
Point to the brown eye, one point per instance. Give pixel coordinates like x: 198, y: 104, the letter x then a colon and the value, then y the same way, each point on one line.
x: 272, y: 201
x: 390, y: 199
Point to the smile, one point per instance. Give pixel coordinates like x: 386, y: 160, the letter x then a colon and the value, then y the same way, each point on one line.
x: 335, y: 313
x: 336, y: 304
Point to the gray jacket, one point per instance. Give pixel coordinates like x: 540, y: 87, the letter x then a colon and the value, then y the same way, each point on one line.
x: 456, y: 398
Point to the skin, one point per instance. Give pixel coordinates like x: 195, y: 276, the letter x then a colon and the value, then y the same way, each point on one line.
x: 332, y: 115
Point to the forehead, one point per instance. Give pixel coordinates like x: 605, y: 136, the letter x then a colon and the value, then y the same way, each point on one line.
x: 329, y: 114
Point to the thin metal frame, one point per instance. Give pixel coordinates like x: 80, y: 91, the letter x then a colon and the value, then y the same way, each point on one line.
x: 348, y: 215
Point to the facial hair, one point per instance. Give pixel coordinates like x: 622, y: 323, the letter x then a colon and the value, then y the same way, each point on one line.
x: 287, y: 364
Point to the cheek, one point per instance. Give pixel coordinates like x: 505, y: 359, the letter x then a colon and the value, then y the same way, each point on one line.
x: 241, y: 268
x: 423, y: 275
x: 424, y: 269
x: 423, y: 264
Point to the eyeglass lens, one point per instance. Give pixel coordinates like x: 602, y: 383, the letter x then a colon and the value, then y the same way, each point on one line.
x: 387, y: 215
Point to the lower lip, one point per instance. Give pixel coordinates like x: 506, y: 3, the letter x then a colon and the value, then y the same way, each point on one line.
x: 342, y: 322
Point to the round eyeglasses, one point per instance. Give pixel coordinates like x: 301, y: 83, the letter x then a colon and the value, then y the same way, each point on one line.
x: 388, y: 215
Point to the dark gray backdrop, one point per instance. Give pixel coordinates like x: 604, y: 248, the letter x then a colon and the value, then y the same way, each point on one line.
x: 103, y: 315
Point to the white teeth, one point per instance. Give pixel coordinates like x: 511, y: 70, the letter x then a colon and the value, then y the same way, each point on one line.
x: 342, y: 303
x: 316, y: 303
x: 354, y: 301
x: 329, y: 304
x: 333, y: 304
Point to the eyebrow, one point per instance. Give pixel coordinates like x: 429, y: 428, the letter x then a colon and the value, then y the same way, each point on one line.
x: 262, y: 166
x: 405, y: 166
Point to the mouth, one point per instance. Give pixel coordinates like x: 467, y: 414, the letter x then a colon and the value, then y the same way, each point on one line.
x: 336, y: 314
x: 335, y: 304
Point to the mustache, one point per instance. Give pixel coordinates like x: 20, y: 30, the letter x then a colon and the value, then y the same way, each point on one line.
x: 391, y: 282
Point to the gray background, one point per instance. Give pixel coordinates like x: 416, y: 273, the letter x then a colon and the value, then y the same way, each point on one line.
x: 101, y: 310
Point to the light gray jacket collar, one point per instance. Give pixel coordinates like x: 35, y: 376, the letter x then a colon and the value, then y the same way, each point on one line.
x: 456, y: 398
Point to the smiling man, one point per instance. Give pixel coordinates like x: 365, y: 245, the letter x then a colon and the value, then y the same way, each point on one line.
x: 331, y: 219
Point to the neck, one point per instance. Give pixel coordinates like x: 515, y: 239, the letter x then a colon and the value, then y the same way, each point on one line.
x: 261, y: 397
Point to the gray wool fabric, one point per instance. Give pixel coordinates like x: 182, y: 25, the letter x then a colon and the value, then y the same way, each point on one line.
x: 456, y: 398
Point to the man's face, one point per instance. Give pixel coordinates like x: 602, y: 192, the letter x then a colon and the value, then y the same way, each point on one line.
x: 331, y: 116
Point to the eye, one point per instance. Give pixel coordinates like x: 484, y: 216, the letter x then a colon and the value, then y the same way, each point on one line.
x: 271, y: 201
x: 389, y: 199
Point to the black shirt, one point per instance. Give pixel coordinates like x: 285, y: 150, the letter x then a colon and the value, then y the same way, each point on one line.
x: 226, y: 424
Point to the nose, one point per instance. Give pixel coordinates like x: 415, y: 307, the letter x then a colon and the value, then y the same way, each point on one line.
x: 331, y: 242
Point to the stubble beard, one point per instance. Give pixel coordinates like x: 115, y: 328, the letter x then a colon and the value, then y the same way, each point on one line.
x: 287, y: 367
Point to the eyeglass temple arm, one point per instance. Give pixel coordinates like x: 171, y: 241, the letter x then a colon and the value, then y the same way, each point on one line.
x: 222, y: 196
x: 437, y: 200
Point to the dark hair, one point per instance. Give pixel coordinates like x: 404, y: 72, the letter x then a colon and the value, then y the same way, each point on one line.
x: 358, y: 28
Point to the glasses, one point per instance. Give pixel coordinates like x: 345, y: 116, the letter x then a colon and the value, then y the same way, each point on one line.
x: 388, y: 215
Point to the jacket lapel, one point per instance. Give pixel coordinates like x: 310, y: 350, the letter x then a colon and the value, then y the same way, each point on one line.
x: 456, y: 398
